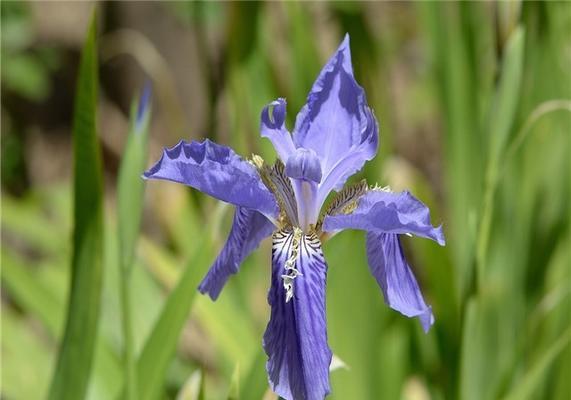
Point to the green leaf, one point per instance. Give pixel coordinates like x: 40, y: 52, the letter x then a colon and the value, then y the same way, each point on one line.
x: 77, y: 349
x: 255, y: 383
x: 234, y: 390
x: 39, y: 292
x: 525, y: 389
x: 22, y: 342
x: 161, y: 344
x: 354, y: 322
x: 504, y: 108
x: 463, y: 144
x: 193, y: 388
x: 130, y: 208
x: 227, y: 327
x: 31, y: 294
x: 477, y: 350
x: 130, y: 186
x: 507, y: 95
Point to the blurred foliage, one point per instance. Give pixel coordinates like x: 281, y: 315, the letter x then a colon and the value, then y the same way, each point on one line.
x: 24, y: 71
x: 474, y: 102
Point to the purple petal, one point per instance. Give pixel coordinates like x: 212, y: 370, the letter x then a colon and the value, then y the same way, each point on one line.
x: 306, y: 202
x: 381, y: 211
x: 296, y: 337
x: 336, y: 121
x: 215, y: 170
x: 249, y: 228
x: 273, y: 128
x: 304, y: 165
x: 393, y: 274
x: 352, y: 162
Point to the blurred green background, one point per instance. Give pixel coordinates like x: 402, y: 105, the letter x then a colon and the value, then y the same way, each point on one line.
x: 474, y: 103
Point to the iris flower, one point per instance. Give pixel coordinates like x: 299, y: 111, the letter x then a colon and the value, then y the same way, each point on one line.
x: 335, y: 133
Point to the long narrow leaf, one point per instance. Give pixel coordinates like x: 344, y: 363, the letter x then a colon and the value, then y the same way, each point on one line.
x: 38, y: 299
x: 76, y: 353
x: 161, y: 344
x: 501, y: 123
x: 30, y: 294
x: 130, y: 185
x: 193, y: 388
x: 130, y: 207
x: 532, y: 378
x: 255, y: 382
x: 463, y: 146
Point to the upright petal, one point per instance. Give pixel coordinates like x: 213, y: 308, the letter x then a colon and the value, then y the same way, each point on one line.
x: 249, y: 228
x: 303, y: 164
x: 305, y: 172
x: 273, y: 128
x: 215, y: 170
x: 336, y: 121
x: 296, y: 337
x: 353, y: 161
x: 393, y: 274
x: 383, y: 211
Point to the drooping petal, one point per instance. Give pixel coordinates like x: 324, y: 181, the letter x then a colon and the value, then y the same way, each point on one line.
x: 336, y: 121
x: 249, y: 228
x: 383, y: 211
x: 273, y: 128
x: 215, y: 170
x: 296, y: 337
x: 393, y: 274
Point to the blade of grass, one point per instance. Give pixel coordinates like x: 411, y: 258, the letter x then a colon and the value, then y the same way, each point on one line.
x: 75, y: 357
x: 161, y: 344
x: 20, y: 217
x: 255, y: 382
x: 21, y: 342
x: 463, y: 143
x: 38, y: 298
x: 234, y: 389
x: 525, y: 389
x: 359, y: 348
x: 30, y: 294
x: 130, y: 192
x: 193, y: 388
x: 225, y: 325
x: 502, y: 120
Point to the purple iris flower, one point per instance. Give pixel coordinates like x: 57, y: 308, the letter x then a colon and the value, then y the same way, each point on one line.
x: 335, y: 134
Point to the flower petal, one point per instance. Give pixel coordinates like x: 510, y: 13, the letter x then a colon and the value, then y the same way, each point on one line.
x: 273, y: 128
x: 249, y: 228
x: 353, y: 161
x: 336, y: 121
x: 393, y: 274
x: 296, y: 337
x: 304, y: 165
x: 215, y: 170
x: 382, y: 211
x: 305, y: 172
